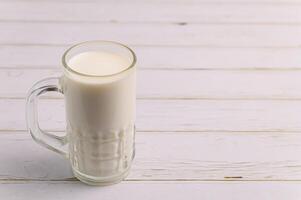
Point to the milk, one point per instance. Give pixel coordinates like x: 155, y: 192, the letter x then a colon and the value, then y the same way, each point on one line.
x: 100, y: 107
x: 98, y: 63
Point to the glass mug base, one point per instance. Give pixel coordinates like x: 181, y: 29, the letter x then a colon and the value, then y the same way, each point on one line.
x: 97, y: 181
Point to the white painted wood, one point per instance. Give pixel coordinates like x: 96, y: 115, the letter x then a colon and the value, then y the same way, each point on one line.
x: 162, y: 2
x: 27, y: 160
x: 171, y: 156
x: 184, y: 138
x: 176, y: 115
x: 154, y: 190
x: 152, y: 34
x: 149, y: 12
x: 179, y: 84
x: 39, y: 56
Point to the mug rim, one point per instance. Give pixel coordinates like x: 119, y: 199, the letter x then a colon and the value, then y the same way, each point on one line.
x: 68, y: 68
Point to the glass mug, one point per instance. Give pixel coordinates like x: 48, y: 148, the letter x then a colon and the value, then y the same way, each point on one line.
x: 100, y: 116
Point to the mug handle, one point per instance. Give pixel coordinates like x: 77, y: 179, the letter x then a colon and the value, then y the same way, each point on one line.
x: 50, y: 141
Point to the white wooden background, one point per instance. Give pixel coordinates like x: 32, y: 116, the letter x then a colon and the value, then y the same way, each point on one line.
x: 219, y: 96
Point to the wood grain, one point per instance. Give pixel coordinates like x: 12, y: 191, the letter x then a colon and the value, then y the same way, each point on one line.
x: 218, y: 96
x: 149, y: 12
x: 189, y: 156
x: 154, y: 57
x: 154, y: 190
x: 181, y: 2
x: 174, y: 84
x: 144, y: 34
x: 176, y: 115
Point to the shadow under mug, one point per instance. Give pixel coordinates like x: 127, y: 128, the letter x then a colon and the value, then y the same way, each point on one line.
x: 100, y: 116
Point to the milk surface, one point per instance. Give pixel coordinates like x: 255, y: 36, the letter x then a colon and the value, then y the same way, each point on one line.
x: 100, y: 113
x: 98, y: 63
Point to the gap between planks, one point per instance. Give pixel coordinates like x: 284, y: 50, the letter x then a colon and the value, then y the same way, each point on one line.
x: 179, y: 23
x: 75, y: 180
x: 27, y: 67
x: 20, y: 44
x: 209, y: 46
x: 255, y: 132
x: 214, y: 2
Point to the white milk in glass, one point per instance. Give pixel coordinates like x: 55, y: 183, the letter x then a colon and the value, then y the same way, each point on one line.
x: 100, y: 104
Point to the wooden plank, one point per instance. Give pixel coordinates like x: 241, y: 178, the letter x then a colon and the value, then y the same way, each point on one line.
x: 149, y: 12
x: 178, y: 84
x: 215, y: 2
x: 156, y: 57
x: 176, y: 115
x: 146, y: 34
x: 154, y: 190
x: 171, y: 156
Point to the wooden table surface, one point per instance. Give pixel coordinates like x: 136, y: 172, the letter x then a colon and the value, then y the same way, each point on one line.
x: 219, y: 96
